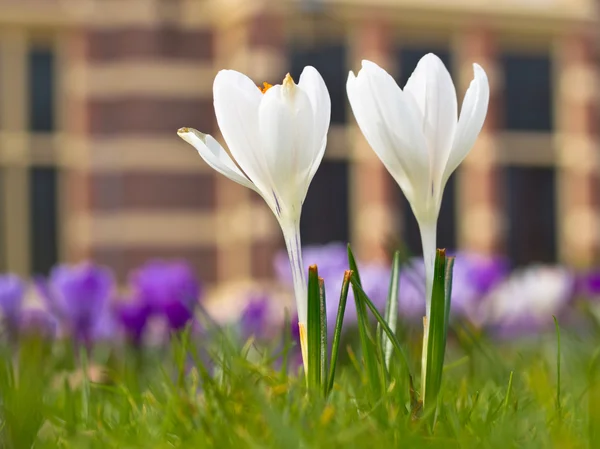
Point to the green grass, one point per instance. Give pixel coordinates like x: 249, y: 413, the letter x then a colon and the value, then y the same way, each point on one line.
x: 215, y: 392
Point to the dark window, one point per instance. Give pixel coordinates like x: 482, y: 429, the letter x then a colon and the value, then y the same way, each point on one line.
x: 409, y: 57
x: 41, y: 90
x: 531, y: 214
x: 325, y: 210
x: 528, y: 92
x: 330, y: 61
x: 43, y: 218
x: 446, y: 226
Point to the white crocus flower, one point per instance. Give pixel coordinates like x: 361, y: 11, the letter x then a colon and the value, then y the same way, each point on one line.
x: 417, y: 134
x: 277, y: 136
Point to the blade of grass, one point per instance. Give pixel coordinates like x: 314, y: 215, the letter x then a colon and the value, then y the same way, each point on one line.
x: 323, y: 330
x: 314, y: 329
x: 338, y: 330
x: 391, y: 309
x: 508, y: 390
x: 436, y: 341
x: 358, y: 291
x: 368, y: 343
x: 352, y: 265
x: 557, y: 364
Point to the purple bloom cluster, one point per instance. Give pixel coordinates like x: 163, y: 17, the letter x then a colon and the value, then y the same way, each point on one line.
x: 484, y: 292
x: 82, y: 301
x: 474, y: 276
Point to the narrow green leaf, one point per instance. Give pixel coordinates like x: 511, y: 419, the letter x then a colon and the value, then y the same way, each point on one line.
x: 323, y: 331
x: 557, y: 364
x: 448, y: 289
x: 436, y: 340
x: 368, y: 343
x: 508, y: 390
x: 391, y: 309
x: 338, y: 330
x: 352, y: 265
x: 314, y: 329
x: 394, y: 340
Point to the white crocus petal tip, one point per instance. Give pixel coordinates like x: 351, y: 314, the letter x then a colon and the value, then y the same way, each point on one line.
x: 288, y: 84
x: 189, y: 135
x: 366, y: 64
x: 479, y: 71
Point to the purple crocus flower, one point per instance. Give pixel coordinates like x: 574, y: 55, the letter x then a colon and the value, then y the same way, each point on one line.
x: 588, y: 284
x: 78, y: 296
x: 133, y: 317
x: 526, y: 301
x: 12, y: 290
x: 167, y: 288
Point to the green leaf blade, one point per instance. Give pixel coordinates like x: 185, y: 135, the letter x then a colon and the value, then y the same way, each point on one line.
x: 314, y: 329
x: 338, y: 329
x: 436, y: 329
x: 391, y: 309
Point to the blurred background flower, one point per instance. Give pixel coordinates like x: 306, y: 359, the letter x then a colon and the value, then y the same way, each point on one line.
x: 526, y: 301
x: 166, y: 288
x: 12, y: 291
x: 78, y: 296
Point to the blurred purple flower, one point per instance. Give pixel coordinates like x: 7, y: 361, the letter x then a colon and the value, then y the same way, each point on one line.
x: 411, y: 305
x: 167, y: 288
x: 254, y: 321
x: 78, y: 296
x: 588, y: 284
x: 38, y: 322
x: 133, y: 317
x: 526, y: 301
x: 12, y: 290
x: 473, y: 276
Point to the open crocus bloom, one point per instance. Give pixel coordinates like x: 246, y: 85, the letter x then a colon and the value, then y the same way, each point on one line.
x: 277, y: 136
x: 417, y: 134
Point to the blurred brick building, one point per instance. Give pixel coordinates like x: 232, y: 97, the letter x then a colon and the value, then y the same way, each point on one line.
x: 93, y: 91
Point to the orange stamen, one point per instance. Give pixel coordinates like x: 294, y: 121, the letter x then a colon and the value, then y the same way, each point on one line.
x: 266, y: 87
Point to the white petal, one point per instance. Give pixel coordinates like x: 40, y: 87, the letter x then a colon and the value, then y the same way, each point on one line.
x: 286, y: 127
x: 214, y: 155
x: 313, y: 85
x: 236, y: 100
x: 472, y: 116
x: 384, y: 117
x: 431, y: 87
